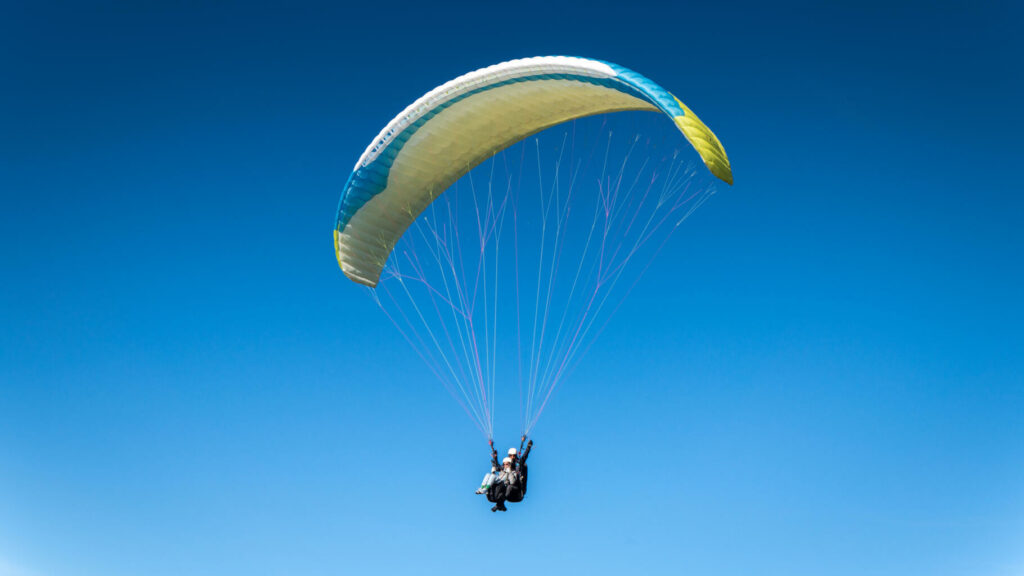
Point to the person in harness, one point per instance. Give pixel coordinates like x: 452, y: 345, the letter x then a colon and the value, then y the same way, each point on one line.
x: 506, y: 483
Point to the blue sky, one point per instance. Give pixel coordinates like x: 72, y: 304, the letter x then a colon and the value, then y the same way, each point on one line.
x: 826, y: 379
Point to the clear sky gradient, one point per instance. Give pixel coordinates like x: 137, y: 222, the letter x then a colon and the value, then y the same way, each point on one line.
x: 821, y: 374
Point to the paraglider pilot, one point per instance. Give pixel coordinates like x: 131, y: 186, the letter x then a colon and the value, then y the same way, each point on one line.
x: 507, y: 482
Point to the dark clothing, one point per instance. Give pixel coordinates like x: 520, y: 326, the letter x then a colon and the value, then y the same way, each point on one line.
x: 516, y: 493
x: 496, y: 493
x: 526, y: 453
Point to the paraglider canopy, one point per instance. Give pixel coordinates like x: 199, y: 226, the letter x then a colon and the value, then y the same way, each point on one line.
x: 451, y: 129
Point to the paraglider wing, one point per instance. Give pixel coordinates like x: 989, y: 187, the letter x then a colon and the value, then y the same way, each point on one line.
x: 458, y: 125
